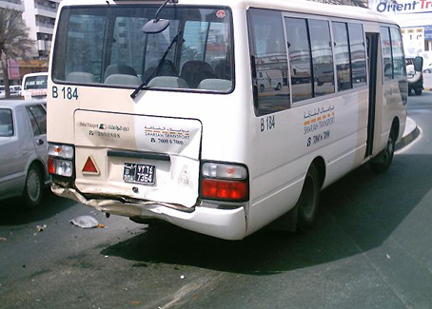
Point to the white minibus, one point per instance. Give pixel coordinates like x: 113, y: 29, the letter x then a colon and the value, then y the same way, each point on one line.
x: 156, y: 112
x: 34, y: 86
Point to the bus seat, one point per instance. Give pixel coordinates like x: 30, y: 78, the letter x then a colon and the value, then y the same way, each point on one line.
x: 167, y: 69
x: 215, y: 84
x: 193, y: 72
x: 223, y: 69
x: 168, y: 82
x: 80, y: 77
x: 123, y: 79
x: 119, y: 69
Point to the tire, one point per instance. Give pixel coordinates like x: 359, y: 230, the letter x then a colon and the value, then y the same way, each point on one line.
x: 383, y: 161
x: 33, y: 189
x: 262, y: 88
x: 418, y: 91
x: 279, y: 87
x: 307, y: 205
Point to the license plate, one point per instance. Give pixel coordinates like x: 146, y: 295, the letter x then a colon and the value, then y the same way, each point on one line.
x: 139, y: 173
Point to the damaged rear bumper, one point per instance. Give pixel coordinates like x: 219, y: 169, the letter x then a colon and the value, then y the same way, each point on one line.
x: 227, y: 224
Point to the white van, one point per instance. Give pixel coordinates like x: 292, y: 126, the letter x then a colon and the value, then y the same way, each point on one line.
x: 270, y: 79
x: 34, y: 86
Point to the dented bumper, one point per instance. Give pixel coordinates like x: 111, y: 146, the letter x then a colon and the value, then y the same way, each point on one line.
x: 227, y: 224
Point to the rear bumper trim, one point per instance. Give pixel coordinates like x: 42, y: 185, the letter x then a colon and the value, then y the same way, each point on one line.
x: 139, y: 155
x: 229, y: 224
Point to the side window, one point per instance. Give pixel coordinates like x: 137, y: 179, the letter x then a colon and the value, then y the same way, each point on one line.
x: 358, y: 55
x: 37, y: 115
x: 300, y: 58
x: 397, y: 52
x: 271, y: 64
x: 6, y: 123
x: 322, y: 57
x: 342, y: 55
x: 34, y: 125
x: 386, y: 53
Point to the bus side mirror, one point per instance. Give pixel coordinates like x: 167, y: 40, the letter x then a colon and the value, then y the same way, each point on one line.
x: 155, y: 26
x: 418, y: 64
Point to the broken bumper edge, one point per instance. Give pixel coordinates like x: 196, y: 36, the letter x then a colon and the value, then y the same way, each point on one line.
x: 229, y: 224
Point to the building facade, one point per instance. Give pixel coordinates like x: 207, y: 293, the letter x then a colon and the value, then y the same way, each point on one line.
x: 39, y: 16
x: 415, y: 19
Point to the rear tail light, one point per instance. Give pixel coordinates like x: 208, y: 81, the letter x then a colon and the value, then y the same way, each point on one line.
x: 60, y: 160
x: 224, y: 182
x: 61, y: 151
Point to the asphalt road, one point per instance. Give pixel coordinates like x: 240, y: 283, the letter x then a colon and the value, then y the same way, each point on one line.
x: 370, y: 249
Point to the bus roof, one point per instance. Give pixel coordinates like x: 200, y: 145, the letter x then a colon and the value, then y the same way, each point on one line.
x: 297, y: 6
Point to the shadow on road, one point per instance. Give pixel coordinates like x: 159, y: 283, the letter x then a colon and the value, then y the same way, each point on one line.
x: 358, y: 213
x: 14, y: 213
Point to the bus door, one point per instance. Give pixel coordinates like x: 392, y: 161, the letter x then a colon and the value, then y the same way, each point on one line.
x: 372, y: 50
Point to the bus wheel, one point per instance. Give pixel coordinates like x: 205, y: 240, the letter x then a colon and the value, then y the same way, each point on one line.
x: 307, y: 205
x: 383, y: 161
x: 34, y: 184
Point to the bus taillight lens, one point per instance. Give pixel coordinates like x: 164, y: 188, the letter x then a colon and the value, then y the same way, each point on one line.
x: 224, y: 182
x: 224, y: 190
x: 51, y: 166
x: 60, y: 160
x: 60, y: 167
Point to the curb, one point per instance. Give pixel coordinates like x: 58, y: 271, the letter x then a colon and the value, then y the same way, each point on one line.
x: 408, y: 138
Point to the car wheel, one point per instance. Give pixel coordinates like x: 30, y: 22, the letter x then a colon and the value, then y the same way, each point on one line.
x: 278, y: 87
x: 418, y: 91
x: 307, y: 205
x: 383, y: 161
x: 33, y: 189
x: 262, y: 88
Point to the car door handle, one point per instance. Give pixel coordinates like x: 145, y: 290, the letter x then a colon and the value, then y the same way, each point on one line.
x: 39, y: 142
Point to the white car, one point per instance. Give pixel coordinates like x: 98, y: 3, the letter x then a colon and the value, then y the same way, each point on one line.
x: 23, y: 151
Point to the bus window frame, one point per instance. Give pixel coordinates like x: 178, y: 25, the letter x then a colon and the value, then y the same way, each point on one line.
x: 383, y: 80
x: 337, y: 93
x: 252, y: 56
x: 65, y: 10
x: 393, y: 79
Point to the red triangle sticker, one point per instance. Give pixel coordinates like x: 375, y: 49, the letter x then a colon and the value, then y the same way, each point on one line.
x: 90, y: 167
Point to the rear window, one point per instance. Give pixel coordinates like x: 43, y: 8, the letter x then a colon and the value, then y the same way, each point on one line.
x: 6, y: 123
x: 35, y: 82
x: 106, y: 46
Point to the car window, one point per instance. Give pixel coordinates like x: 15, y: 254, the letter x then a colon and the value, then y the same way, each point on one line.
x: 37, y: 115
x: 6, y: 123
